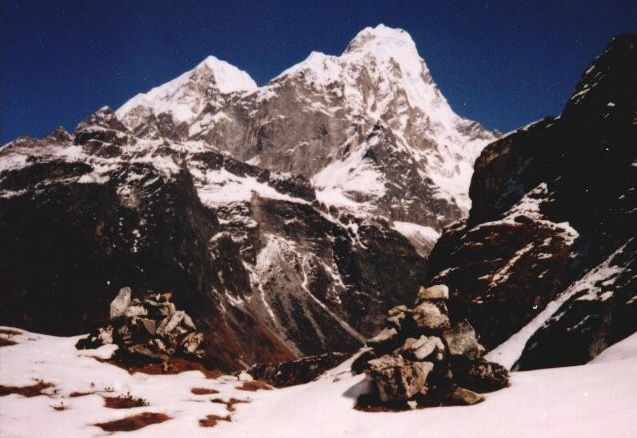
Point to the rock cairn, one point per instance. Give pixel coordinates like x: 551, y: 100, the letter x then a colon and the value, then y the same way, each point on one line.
x: 151, y: 328
x: 421, y: 359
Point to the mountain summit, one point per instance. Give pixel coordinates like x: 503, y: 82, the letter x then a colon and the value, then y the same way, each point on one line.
x: 186, y: 96
x: 370, y: 127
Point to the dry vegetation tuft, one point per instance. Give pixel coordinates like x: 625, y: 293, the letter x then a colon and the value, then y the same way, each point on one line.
x: 125, y: 401
x: 229, y: 403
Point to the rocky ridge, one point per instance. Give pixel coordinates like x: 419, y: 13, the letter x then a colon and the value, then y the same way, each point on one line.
x: 267, y: 272
x: 547, y: 252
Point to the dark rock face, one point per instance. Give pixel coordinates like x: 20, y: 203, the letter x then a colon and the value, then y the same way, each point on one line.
x: 602, y: 311
x: 298, y: 371
x: 77, y: 242
x: 265, y: 271
x: 552, y: 214
x: 409, y: 196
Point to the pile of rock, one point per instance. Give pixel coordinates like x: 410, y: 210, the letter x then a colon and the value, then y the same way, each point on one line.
x: 151, y: 328
x: 421, y: 359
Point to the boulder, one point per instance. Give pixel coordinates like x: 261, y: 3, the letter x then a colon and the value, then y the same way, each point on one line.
x: 421, y: 348
x: 427, y: 316
x: 461, y: 341
x: 398, y: 379
x: 436, y: 292
x: 150, y: 326
x: 398, y: 310
x: 244, y: 376
x: 360, y: 362
x: 465, y: 396
x: 191, y: 342
x: 385, y: 341
x: 479, y: 374
x: 136, y: 310
x: 176, y: 324
x: 396, y: 317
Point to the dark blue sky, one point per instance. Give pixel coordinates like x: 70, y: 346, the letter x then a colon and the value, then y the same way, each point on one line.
x: 502, y: 63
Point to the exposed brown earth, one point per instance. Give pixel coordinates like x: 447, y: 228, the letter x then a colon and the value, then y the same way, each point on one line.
x: 5, y: 331
x: 133, y: 422
x: 176, y: 365
x: 26, y: 391
x: 4, y: 342
x: 204, y: 391
x: 229, y: 403
x: 212, y: 420
x: 254, y: 385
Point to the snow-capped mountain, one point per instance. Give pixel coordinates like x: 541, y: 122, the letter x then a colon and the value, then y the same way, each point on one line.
x: 178, y: 102
x: 266, y: 271
x: 289, y: 218
x: 286, y: 218
x: 321, y: 118
x: 547, y: 253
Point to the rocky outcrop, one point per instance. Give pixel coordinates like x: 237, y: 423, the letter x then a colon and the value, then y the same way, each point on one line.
x: 296, y: 372
x: 550, y: 223
x: 421, y: 359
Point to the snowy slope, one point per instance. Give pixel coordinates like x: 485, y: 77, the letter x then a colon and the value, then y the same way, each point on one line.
x: 591, y: 400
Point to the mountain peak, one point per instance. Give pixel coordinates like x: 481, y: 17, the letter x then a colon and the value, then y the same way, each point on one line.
x: 185, y: 96
x: 227, y: 77
x: 381, y: 37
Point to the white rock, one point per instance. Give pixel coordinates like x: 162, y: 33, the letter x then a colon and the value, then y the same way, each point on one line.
x: 436, y: 292
x: 244, y: 376
x: 171, y: 323
x: 120, y: 303
x: 106, y: 335
x: 422, y: 347
x: 133, y: 311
